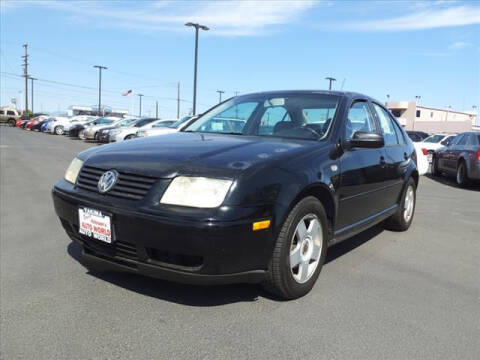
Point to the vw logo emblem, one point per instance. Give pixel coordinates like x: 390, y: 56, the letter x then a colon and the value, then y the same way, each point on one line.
x: 107, y: 181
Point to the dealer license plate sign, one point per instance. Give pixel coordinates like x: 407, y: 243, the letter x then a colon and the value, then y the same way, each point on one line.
x: 94, y: 224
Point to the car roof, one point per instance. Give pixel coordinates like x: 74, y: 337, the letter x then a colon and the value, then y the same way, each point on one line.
x: 345, y: 94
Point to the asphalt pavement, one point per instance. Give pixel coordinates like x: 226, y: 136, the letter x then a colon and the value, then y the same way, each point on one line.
x: 381, y: 294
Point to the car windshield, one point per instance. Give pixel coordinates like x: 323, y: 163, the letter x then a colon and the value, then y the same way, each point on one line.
x: 434, y: 138
x: 102, y: 121
x: 178, y: 123
x: 286, y: 115
x: 162, y: 124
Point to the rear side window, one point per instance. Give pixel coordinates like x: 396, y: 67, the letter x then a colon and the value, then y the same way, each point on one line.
x: 359, y: 119
x: 463, y: 140
x: 9, y: 112
x: 389, y: 132
x: 478, y: 139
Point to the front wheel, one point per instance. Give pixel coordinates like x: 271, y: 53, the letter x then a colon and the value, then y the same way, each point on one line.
x: 300, y: 251
x: 58, y: 130
x: 435, y: 171
x: 81, y: 135
x: 462, y: 178
x: 129, y: 137
x: 402, y: 219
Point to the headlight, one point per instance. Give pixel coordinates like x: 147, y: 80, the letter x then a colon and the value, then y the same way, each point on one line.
x: 73, y: 169
x: 114, y: 131
x: 196, y: 192
x: 142, y: 133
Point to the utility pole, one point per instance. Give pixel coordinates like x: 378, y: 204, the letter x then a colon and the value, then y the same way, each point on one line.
x: 140, y: 110
x: 100, y: 87
x: 178, y: 100
x: 197, y: 27
x: 388, y: 99
x: 220, y: 92
x: 32, y: 78
x: 25, y: 74
x: 330, y: 80
x: 156, y: 109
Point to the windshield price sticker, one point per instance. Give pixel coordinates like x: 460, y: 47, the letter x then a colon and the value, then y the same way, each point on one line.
x: 94, y: 224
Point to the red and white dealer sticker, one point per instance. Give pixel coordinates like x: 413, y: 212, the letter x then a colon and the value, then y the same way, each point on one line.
x: 95, y: 224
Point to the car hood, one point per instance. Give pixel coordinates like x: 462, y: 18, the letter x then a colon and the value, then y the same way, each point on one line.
x: 195, y: 154
x: 159, y: 131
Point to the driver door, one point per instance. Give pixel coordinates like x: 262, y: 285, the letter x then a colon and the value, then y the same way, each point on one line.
x: 363, y: 172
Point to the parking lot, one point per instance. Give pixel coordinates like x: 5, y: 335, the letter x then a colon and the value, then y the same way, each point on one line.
x: 381, y: 294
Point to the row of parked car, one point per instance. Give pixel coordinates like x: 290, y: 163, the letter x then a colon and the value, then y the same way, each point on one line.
x: 103, y: 129
x: 450, y: 154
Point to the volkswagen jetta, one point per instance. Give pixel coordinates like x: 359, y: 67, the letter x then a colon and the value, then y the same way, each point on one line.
x: 255, y: 190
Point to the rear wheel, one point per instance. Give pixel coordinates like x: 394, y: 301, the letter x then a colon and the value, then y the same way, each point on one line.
x: 402, y: 219
x: 58, y: 130
x: 12, y: 122
x: 129, y: 137
x: 300, y: 251
x: 81, y: 135
x: 462, y: 178
x: 435, y: 171
x: 95, y: 137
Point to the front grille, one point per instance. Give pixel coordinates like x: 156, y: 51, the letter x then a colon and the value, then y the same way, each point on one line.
x: 128, y: 186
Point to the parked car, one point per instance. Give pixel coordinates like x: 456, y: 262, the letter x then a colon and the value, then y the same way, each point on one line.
x: 417, y: 136
x: 91, y: 132
x: 79, y: 119
x: 21, y: 123
x: 161, y: 129
x: 77, y: 128
x: 30, y: 123
x: 434, y: 142
x: 422, y: 159
x: 57, y: 124
x: 307, y: 169
x: 9, y: 116
x: 460, y: 158
x: 104, y: 133
x: 40, y: 121
x: 130, y: 132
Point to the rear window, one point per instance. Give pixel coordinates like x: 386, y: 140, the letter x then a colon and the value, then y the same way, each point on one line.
x: 478, y: 139
x: 434, y: 138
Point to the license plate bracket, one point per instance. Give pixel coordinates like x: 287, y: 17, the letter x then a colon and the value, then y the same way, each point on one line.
x: 95, y: 224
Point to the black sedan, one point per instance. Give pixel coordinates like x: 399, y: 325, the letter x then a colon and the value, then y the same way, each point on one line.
x: 255, y: 190
x: 417, y: 136
x: 460, y: 158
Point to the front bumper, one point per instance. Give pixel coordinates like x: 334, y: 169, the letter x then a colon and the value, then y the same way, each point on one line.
x: 172, y: 247
x: 104, y: 137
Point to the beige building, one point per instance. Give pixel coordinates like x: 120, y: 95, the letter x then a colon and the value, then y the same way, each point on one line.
x: 422, y: 118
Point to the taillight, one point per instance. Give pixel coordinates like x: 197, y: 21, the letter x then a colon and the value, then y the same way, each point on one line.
x: 424, y: 151
x: 478, y: 154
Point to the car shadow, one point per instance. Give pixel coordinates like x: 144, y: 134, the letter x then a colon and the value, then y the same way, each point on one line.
x: 450, y: 181
x: 215, y: 295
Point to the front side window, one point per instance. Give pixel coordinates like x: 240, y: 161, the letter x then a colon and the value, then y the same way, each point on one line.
x: 359, y: 119
x: 389, y: 133
x: 301, y: 116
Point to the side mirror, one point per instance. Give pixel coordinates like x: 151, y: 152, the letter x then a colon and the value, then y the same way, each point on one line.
x: 371, y: 140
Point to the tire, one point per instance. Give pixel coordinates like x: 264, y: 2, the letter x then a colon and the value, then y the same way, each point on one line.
x: 58, y: 130
x: 402, y: 219
x: 81, y: 135
x: 291, y: 282
x: 129, y: 137
x: 435, y: 171
x: 462, y: 177
x: 95, y: 137
x: 12, y: 122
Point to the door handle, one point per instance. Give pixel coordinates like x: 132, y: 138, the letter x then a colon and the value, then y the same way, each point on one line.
x: 382, y: 161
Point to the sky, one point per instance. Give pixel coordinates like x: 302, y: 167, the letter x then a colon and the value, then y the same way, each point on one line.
x: 401, y: 48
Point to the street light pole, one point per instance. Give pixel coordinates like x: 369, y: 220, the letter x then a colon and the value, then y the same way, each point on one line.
x: 100, y: 67
x: 197, y: 27
x: 140, y: 110
x: 220, y: 92
x: 330, y: 80
x: 32, y: 78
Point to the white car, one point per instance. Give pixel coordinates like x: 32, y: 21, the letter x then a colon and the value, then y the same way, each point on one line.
x: 92, y: 132
x: 161, y: 130
x: 434, y: 142
x: 130, y: 132
x: 56, y: 125
x: 79, y: 119
x: 422, y: 158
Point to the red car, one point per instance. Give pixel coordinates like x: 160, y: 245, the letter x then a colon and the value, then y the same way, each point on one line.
x: 20, y: 122
x: 30, y: 124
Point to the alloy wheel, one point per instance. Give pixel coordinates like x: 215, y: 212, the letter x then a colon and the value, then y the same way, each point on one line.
x: 306, y: 248
x: 409, y: 203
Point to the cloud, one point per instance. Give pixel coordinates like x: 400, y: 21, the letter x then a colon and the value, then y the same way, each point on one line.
x: 225, y: 18
x: 421, y: 20
x: 459, y: 45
